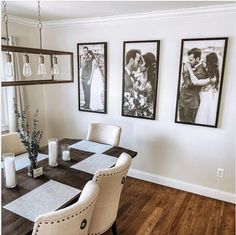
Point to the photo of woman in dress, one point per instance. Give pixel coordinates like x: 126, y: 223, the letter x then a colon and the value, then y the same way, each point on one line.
x: 200, y: 81
x: 92, y: 76
x: 140, y: 79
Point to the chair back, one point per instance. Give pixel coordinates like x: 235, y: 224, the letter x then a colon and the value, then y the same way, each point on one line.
x: 73, y: 220
x: 104, y: 133
x: 110, y: 183
x: 11, y: 143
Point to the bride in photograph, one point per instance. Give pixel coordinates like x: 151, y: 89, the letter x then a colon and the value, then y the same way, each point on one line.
x: 97, y: 86
x: 209, y: 93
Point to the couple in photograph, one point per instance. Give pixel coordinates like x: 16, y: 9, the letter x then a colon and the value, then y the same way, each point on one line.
x: 199, y: 90
x: 139, y: 84
x: 92, y: 80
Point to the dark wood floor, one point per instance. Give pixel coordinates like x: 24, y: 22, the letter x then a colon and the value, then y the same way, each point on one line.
x: 147, y: 208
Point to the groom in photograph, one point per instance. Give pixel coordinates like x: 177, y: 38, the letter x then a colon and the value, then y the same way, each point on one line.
x: 86, y: 63
x: 132, y: 60
x: 189, y: 100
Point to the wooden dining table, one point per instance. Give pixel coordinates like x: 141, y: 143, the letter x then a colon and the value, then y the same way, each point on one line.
x: 14, y: 224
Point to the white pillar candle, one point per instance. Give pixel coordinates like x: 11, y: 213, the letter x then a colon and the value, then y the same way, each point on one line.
x: 10, y: 172
x: 66, y: 155
x: 52, y: 153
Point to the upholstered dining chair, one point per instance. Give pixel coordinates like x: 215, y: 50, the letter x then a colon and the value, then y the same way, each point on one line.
x: 72, y: 220
x: 11, y: 143
x: 110, y: 183
x: 104, y: 133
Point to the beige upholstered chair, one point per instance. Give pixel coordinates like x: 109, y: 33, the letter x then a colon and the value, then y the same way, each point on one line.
x: 11, y: 143
x: 110, y: 183
x: 104, y: 133
x: 72, y: 220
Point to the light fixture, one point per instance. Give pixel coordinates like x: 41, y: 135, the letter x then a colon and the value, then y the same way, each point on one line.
x: 41, y: 67
x: 55, y: 68
x: 9, y: 72
x: 54, y: 55
x: 26, y: 66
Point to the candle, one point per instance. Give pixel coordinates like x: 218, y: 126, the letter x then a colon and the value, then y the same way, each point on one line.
x: 66, y: 155
x: 52, y: 152
x: 10, y: 171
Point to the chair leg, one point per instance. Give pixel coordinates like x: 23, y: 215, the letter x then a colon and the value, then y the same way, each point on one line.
x: 114, y: 231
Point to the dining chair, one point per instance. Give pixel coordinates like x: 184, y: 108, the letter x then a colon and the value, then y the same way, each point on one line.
x: 72, y: 220
x: 11, y: 143
x: 104, y: 133
x: 110, y: 183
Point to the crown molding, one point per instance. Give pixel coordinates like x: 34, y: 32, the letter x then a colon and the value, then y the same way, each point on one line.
x: 22, y: 21
x: 200, y: 11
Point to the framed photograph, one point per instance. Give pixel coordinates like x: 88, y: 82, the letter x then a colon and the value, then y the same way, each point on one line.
x: 201, y: 71
x: 140, y: 78
x: 92, y: 74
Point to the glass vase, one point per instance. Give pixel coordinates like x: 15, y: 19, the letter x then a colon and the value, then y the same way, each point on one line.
x: 32, y: 163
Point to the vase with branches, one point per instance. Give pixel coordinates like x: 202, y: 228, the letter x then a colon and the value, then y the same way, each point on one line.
x: 30, y: 137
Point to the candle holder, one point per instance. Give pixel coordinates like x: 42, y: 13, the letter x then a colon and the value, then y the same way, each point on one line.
x: 53, y: 152
x: 9, y: 170
x: 65, y: 152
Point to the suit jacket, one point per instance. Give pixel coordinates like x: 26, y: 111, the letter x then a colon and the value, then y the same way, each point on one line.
x: 86, y: 70
x: 129, y: 85
x: 189, y: 93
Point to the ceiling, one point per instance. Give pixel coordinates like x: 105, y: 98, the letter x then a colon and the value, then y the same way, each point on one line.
x: 62, y: 10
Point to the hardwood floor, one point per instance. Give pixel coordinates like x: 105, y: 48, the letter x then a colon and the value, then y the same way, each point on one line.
x: 147, y: 208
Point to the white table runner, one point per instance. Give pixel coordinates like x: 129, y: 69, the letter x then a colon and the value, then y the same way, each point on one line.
x: 22, y: 160
x: 95, y: 162
x: 47, y: 197
x: 90, y: 146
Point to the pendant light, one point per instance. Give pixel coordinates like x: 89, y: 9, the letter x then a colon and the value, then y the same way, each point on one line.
x: 55, y: 68
x: 26, y: 66
x: 41, y: 67
x: 9, y: 72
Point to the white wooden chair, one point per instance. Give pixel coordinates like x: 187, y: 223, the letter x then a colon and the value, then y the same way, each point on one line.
x: 110, y: 183
x: 11, y: 143
x: 72, y: 220
x: 104, y: 133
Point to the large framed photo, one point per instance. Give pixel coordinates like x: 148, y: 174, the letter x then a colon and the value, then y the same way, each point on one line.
x: 201, y: 71
x: 140, y: 78
x: 92, y: 74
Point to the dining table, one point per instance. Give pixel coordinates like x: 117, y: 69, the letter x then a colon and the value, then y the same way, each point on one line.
x: 15, y: 224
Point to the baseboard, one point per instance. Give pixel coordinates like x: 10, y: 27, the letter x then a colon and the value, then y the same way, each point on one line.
x: 208, y: 192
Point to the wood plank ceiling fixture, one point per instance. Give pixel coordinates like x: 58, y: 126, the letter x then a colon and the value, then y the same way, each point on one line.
x: 43, y: 76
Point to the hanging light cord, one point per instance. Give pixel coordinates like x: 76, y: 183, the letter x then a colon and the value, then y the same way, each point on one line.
x: 5, y: 20
x: 40, y: 26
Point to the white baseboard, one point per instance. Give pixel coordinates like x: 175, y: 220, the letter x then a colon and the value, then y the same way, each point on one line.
x: 193, y: 188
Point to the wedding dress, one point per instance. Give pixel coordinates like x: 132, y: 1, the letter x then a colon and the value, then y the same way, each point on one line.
x: 208, y: 106
x: 97, y: 90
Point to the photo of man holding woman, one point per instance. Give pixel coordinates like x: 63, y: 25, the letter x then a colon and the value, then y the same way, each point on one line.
x: 92, y: 77
x: 140, y: 77
x: 200, y: 81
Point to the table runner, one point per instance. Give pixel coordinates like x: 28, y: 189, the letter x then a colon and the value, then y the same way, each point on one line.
x: 95, y: 162
x: 22, y: 160
x: 48, y: 197
x: 90, y: 146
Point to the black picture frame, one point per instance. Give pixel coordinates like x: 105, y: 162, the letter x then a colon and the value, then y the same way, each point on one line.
x: 139, y: 96
x: 204, y: 107
x: 96, y: 89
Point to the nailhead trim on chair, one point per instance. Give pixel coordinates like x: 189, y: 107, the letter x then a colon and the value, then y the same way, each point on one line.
x: 115, y: 173
x: 62, y: 220
x: 97, y: 177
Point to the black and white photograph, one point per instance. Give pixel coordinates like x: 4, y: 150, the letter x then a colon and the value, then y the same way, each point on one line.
x: 92, y: 73
x: 200, y: 82
x: 140, y: 78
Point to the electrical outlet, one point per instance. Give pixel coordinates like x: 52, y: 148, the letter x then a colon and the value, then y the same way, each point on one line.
x: 220, y: 172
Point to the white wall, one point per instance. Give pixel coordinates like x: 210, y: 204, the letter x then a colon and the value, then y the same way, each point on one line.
x: 174, y: 152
